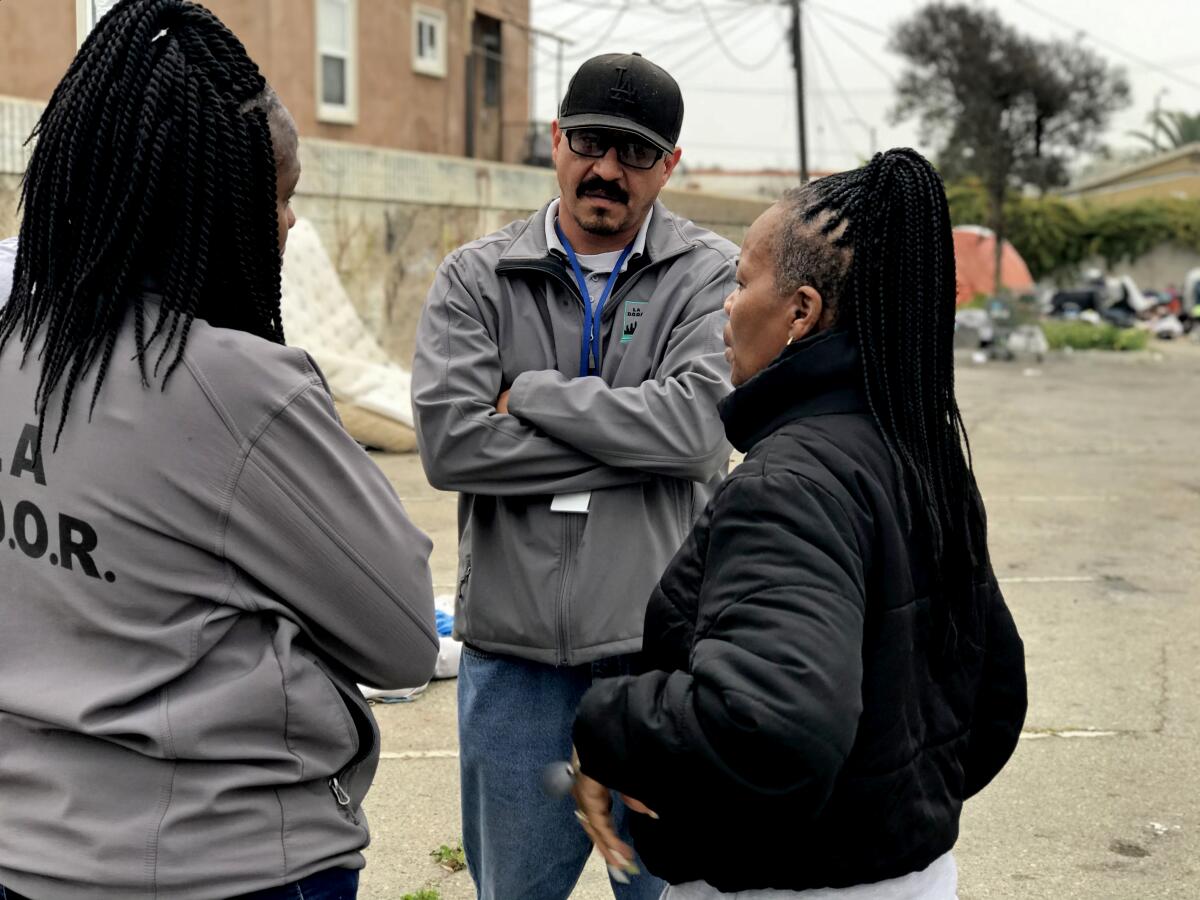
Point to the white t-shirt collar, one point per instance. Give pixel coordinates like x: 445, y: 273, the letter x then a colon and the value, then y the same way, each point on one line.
x: 597, y: 260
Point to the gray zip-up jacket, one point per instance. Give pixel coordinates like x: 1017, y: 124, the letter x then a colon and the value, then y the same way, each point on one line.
x: 190, y: 586
x: 644, y: 438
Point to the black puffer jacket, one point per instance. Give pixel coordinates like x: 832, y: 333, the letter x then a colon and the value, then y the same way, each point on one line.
x: 792, y: 730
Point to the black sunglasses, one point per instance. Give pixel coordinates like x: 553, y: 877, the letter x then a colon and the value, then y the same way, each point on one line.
x: 630, y: 151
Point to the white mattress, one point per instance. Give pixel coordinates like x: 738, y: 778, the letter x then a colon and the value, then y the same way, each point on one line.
x: 319, y: 316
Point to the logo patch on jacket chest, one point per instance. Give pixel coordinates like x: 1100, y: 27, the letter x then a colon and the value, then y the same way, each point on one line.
x: 634, y: 310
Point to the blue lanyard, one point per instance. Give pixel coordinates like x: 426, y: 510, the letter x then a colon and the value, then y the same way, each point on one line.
x: 589, y: 346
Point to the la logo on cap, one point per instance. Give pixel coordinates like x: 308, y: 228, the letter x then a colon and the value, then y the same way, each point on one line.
x: 623, y: 90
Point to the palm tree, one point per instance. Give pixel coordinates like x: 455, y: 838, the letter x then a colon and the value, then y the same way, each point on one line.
x: 1170, y: 129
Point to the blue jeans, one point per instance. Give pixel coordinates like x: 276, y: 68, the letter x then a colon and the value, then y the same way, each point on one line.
x: 514, y: 719
x: 332, y: 884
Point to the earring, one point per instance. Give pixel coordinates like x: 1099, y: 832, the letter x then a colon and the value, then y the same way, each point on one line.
x: 790, y: 339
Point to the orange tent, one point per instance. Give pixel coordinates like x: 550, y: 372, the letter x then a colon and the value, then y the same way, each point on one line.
x: 975, y: 259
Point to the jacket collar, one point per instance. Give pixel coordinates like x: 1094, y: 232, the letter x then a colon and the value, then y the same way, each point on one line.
x: 556, y: 246
x: 664, y: 239
x: 817, y: 376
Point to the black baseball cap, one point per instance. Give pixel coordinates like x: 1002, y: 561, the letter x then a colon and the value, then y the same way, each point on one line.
x: 624, y: 92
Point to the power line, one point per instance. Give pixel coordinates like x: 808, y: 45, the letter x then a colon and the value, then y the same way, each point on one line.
x: 867, y: 57
x: 1121, y: 51
x: 822, y: 105
x: 603, y: 39
x: 591, y: 6
x: 691, y: 8
x: 780, y: 92
x: 837, y: 82
x: 724, y: 146
x: 673, y: 44
x: 720, y: 42
x: 693, y: 47
x: 575, y: 18
x: 690, y: 61
x: 654, y: 7
x: 835, y: 124
x: 866, y: 26
x: 1184, y: 62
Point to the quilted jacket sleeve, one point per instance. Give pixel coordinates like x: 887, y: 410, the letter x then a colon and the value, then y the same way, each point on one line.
x: 771, y: 702
x: 1002, y: 699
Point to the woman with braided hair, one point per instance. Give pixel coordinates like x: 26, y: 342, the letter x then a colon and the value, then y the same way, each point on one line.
x: 832, y: 669
x: 197, y: 563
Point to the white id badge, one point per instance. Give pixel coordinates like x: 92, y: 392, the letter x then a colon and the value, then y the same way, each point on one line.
x: 571, y: 503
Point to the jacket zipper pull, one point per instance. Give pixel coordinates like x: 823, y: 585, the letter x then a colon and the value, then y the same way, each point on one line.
x: 342, y: 798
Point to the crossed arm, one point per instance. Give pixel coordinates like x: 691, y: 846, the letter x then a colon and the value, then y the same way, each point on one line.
x: 552, y: 434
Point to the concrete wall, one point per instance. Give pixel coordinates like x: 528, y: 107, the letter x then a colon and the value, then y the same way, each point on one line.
x: 768, y: 186
x: 1156, y: 270
x: 388, y: 217
x: 17, y: 119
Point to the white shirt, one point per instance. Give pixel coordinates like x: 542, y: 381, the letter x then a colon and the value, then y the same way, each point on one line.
x: 597, y: 266
x: 937, y: 881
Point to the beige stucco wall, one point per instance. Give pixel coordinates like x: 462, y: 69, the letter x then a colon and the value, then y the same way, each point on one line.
x: 37, y: 43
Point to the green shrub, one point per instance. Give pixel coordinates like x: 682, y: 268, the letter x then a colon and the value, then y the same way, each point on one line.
x: 1054, y: 236
x: 1085, y: 336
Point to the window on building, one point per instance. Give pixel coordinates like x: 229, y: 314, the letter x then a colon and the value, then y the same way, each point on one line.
x: 337, y: 60
x: 490, y: 49
x: 429, y: 41
x: 88, y: 13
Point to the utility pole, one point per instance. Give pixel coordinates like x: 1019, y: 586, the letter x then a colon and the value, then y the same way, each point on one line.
x: 558, y: 74
x: 798, y: 59
x: 1156, y: 116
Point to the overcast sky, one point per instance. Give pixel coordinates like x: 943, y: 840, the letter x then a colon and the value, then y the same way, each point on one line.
x: 740, y: 100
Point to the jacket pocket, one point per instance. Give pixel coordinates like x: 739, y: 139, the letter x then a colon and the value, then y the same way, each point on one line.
x: 341, y: 785
x: 464, y: 578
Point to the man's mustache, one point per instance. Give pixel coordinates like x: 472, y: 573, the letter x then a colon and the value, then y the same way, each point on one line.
x: 609, y: 189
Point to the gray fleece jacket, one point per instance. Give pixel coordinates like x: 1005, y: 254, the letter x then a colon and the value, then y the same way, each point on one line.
x: 190, y: 586
x: 644, y: 437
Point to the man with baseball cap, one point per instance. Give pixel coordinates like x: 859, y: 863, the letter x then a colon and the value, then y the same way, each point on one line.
x: 565, y: 383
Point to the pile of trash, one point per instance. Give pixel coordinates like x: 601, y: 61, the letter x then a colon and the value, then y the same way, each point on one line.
x: 1118, y: 301
x: 1003, y: 329
x: 1124, y: 317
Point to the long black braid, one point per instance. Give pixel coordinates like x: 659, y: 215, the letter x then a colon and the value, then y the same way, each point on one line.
x: 887, y: 266
x: 154, y: 172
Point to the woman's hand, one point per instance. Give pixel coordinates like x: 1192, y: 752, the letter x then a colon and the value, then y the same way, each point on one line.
x: 594, y: 812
